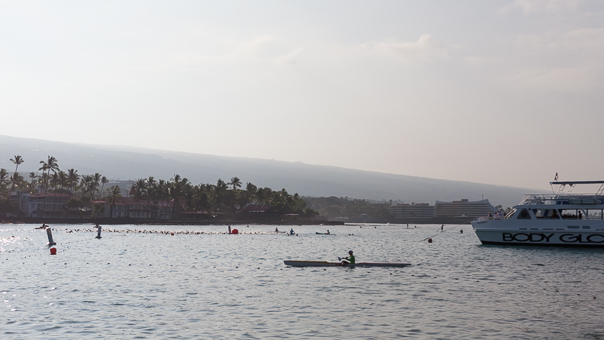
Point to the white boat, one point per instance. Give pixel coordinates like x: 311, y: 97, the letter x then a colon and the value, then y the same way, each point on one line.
x: 563, y: 218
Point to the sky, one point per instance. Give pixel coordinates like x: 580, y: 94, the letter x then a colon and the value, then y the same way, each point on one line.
x: 506, y: 92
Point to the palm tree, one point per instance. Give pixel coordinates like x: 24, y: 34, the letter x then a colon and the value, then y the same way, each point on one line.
x: 72, y: 179
x: 32, y: 182
x: 50, y: 165
x: 152, y: 192
x: 251, y: 192
x: 3, y: 177
x: 251, y: 189
x: 264, y: 195
x: 96, y: 181
x: 211, y: 198
x: 114, y: 195
x: 202, y: 198
x: 104, y: 181
x: 62, y: 180
x: 236, y: 183
x: 220, y: 192
x: 162, y: 190
x: 86, y: 185
x: 177, y: 187
x: 139, y: 191
x: 17, y: 160
x: 4, y: 194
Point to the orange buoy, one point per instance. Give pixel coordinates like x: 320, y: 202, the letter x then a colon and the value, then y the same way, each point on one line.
x: 234, y: 231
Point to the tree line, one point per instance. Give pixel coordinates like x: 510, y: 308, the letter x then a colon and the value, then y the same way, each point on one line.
x: 182, y: 195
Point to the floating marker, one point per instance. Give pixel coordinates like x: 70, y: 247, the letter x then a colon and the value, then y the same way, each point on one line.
x: 49, y: 233
x: 53, y: 251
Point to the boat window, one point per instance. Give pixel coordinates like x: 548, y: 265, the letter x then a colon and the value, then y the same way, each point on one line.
x: 586, y: 227
x: 524, y: 215
x: 595, y: 214
x: 569, y: 214
x: 546, y: 213
x: 573, y: 227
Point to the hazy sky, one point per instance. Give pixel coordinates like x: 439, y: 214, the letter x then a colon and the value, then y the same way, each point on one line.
x: 503, y: 92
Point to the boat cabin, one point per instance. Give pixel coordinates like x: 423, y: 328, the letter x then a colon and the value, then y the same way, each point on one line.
x: 552, y: 213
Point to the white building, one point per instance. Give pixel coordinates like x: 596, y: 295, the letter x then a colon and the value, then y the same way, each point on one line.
x: 463, y: 208
x: 413, y: 210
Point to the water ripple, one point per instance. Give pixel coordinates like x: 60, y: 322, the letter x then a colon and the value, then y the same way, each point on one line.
x: 201, y: 284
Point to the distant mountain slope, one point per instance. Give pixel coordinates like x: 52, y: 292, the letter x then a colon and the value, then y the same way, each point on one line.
x: 304, y: 179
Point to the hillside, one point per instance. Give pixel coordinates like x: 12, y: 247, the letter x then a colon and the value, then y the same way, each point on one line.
x: 307, y: 180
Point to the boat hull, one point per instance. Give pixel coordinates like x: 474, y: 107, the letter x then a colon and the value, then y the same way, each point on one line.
x: 295, y: 263
x: 502, y: 233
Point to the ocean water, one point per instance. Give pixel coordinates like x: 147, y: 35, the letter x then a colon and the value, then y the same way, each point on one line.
x: 197, y: 282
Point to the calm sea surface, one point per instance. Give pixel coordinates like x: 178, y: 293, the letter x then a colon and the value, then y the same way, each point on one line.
x: 142, y: 282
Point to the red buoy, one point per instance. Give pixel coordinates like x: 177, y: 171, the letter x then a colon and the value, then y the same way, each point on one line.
x: 53, y: 251
x: 234, y: 231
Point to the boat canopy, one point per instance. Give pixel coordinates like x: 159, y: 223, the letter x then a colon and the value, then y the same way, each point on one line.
x: 573, y: 184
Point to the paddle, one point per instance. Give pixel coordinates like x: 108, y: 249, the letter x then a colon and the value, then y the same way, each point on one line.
x: 343, y: 261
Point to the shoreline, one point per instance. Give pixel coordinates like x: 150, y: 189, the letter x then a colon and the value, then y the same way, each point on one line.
x: 131, y: 221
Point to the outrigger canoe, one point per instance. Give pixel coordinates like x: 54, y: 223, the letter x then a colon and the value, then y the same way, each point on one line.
x: 295, y: 263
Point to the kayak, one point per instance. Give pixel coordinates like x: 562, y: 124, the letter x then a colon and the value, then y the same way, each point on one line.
x: 295, y: 263
x: 318, y: 233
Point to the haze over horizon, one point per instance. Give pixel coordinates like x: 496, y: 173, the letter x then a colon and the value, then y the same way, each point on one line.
x: 506, y: 93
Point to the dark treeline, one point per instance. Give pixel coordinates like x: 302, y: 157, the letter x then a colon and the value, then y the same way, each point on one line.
x: 183, y: 196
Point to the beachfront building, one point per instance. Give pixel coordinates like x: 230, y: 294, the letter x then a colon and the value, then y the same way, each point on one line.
x: 411, y: 211
x: 127, y: 207
x: 39, y: 205
x: 463, y: 208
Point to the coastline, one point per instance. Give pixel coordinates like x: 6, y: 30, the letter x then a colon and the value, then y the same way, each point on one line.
x: 117, y: 221
x: 286, y: 220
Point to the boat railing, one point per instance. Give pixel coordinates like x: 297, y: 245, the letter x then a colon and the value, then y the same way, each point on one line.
x: 557, y: 199
x: 494, y: 217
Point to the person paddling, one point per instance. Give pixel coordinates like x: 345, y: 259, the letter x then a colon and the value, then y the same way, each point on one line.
x: 350, y: 259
